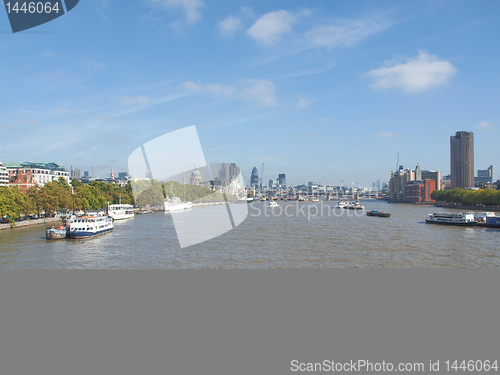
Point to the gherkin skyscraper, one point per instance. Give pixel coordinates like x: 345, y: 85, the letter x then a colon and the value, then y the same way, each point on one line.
x: 254, y: 179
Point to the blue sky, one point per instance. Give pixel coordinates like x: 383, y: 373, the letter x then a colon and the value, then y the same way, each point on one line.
x: 323, y: 91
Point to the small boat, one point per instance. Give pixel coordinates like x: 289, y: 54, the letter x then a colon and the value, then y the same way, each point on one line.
x: 175, y: 204
x: 354, y: 206
x: 461, y: 219
x: 55, y: 233
x: 249, y: 199
x: 302, y: 199
x: 342, y: 204
x: 378, y: 213
x: 272, y: 204
x: 90, y: 225
x: 143, y: 212
x: 315, y: 200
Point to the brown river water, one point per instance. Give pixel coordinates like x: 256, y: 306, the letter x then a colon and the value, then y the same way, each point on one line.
x: 316, y: 236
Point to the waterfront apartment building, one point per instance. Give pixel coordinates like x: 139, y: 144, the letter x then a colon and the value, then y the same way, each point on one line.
x: 432, y: 175
x: 4, y: 175
x: 462, y: 160
x: 27, y: 174
x: 419, y: 191
x: 397, y: 183
x: 405, y: 186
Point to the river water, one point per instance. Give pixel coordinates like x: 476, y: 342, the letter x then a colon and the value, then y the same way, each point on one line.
x: 315, y: 236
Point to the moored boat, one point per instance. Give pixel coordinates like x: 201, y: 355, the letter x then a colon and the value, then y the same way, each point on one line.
x: 54, y: 233
x: 121, y: 211
x: 143, y: 212
x: 446, y: 218
x: 489, y: 220
x: 175, y: 204
x: 90, y: 225
x: 272, y: 204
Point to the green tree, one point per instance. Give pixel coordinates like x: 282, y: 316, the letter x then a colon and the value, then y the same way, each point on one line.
x: 12, y: 203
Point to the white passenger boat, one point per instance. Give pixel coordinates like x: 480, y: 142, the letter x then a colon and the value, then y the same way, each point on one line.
x: 447, y: 218
x: 342, y: 204
x: 354, y: 206
x: 90, y: 225
x: 272, y: 204
x: 121, y: 211
x: 175, y: 204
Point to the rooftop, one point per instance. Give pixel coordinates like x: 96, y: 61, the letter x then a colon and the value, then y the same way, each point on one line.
x: 35, y: 164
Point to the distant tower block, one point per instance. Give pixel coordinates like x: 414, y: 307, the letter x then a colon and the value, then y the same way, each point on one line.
x: 462, y: 160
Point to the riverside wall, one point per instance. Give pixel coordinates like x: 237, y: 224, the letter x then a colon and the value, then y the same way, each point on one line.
x: 25, y: 223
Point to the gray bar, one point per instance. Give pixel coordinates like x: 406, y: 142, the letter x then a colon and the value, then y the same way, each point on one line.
x: 242, y: 322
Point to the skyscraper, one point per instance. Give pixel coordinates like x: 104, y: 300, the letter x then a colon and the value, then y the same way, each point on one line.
x: 282, y: 180
x: 462, y: 160
x: 254, y: 179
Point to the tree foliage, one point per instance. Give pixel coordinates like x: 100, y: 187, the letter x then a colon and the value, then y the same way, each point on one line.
x: 57, y: 195
x: 487, y: 197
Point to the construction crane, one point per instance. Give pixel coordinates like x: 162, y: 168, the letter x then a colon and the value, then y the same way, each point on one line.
x: 397, y: 163
x: 262, y: 180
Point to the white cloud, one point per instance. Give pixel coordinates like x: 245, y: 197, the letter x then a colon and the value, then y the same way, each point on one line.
x: 269, y: 29
x: 344, y: 33
x: 417, y: 74
x: 485, y: 125
x: 138, y: 100
x: 230, y: 26
x: 190, y: 8
x: 387, y: 135
x: 258, y: 92
x: 216, y: 89
x: 191, y: 86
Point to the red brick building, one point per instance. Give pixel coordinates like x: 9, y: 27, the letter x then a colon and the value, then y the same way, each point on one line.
x: 420, y: 191
x: 22, y: 179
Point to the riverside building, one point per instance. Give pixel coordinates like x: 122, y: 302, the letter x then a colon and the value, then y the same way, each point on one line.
x: 27, y: 174
x: 4, y: 175
x: 407, y: 185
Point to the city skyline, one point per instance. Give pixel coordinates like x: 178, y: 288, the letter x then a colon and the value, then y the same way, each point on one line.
x: 324, y: 92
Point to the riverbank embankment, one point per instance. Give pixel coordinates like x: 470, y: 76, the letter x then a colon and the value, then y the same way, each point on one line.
x: 26, y: 223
